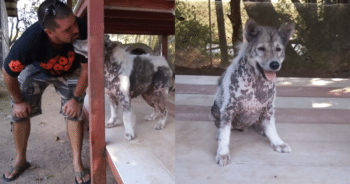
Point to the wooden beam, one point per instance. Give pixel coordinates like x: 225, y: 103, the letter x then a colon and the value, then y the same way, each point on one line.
x: 125, y: 28
x: 96, y: 92
x: 140, y: 15
x: 140, y: 4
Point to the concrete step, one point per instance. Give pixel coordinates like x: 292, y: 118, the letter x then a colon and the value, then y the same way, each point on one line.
x: 319, y: 155
x: 281, y: 102
x: 281, y: 81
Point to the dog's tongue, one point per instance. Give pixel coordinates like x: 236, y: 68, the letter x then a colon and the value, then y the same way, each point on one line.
x: 271, y: 76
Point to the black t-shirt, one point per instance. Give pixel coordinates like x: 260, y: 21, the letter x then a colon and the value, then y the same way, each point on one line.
x: 33, y: 47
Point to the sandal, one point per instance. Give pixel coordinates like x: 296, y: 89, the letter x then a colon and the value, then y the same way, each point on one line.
x: 20, y: 170
x: 82, y: 175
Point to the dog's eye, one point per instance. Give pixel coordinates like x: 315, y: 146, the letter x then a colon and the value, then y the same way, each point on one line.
x: 278, y: 49
x: 261, y: 48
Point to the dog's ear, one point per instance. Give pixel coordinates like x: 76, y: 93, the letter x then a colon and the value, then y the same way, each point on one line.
x: 285, y: 31
x: 107, y: 41
x: 251, y: 30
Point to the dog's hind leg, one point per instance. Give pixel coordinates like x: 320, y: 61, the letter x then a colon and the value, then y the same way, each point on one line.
x: 114, y: 109
x: 156, y: 100
x: 271, y: 133
x: 150, y: 99
x: 128, y: 116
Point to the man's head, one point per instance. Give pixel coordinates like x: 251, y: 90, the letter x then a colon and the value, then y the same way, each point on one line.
x: 58, y: 21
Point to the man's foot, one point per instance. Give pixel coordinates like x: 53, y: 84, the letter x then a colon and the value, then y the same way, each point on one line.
x: 15, y: 172
x: 82, y: 177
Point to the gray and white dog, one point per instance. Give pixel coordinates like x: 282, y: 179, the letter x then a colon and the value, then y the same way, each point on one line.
x: 246, y: 91
x: 128, y: 74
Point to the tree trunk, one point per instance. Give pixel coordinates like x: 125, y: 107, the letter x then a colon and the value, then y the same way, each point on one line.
x: 222, y: 34
x: 158, y: 48
x: 235, y: 18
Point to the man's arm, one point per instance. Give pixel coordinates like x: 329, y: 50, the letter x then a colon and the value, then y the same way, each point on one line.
x: 21, y: 109
x: 82, y: 81
x: 12, y: 86
x: 72, y: 107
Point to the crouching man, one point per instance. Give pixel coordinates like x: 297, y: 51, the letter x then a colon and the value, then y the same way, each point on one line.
x: 44, y: 55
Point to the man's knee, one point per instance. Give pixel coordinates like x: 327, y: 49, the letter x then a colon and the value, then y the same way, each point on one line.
x: 20, y: 123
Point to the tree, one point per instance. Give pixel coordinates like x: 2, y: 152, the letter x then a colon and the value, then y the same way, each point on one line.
x: 190, y: 30
x: 235, y: 18
x: 222, y: 34
x: 26, y: 16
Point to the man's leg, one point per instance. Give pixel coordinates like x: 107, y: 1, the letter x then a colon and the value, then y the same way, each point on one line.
x: 21, y: 131
x: 75, y: 130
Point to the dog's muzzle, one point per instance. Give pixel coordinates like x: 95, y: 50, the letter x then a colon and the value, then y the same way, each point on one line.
x: 268, y: 75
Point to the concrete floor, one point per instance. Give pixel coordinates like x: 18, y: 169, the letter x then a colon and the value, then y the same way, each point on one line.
x: 320, y: 144
x: 150, y: 157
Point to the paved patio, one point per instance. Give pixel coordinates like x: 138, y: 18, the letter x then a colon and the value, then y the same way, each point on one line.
x: 311, y: 116
x: 150, y: 157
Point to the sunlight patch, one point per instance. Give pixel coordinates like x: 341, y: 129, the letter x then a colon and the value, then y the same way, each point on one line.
x: 319, y: 82
x: 321, y: 105
x: 339, y: 92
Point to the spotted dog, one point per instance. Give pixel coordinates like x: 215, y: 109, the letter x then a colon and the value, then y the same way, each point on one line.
x: 130, y: 73
x: 246, y: 92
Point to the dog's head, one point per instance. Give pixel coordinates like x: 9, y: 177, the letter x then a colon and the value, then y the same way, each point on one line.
x: 266, y: 47
x: 115, y: 48
x: 81, y: 47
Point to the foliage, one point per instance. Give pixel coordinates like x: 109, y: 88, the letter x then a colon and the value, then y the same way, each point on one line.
x: 26, y: 16
x: 191, y: 31
x: 320, y: 41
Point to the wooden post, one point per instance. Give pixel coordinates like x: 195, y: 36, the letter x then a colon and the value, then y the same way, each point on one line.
x: 96, y: 91
x: 165, y: 46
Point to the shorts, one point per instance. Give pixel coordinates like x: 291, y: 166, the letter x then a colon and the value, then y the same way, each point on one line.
x: 33, y: 82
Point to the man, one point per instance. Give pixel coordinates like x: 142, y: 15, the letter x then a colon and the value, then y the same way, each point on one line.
x: 44, y: 55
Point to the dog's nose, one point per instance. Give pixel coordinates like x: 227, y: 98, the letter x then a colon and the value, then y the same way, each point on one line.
x: 274, y: 65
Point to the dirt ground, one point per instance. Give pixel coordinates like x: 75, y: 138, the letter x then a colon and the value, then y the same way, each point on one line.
x: 49, y: 149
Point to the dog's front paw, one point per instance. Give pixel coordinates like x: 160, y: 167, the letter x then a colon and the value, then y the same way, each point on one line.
x: 282, y: 148
x: 129, y: 137
x: 222, y: 160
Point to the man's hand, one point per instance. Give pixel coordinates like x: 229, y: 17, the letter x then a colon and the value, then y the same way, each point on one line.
x: 72, y: 108
x: 21, y: 110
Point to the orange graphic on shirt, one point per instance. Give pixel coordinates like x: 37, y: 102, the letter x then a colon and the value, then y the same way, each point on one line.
x: 16, y: 66
x: 71, y: 56
x: 63, y: 61
x: 59, y: 64
x: 57, y: 67
x: 54, y: 60
x: 46, y: 66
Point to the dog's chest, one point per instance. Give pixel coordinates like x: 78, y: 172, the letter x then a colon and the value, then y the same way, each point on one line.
x: 251, y: 95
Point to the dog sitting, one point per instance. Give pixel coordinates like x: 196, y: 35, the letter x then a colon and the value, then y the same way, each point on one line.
x: 246, y: 92
x: 130, y: 75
